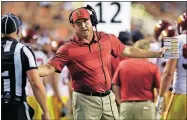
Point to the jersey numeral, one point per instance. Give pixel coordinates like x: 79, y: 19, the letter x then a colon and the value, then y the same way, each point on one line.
x: 184, y: 50
x: 5, y: 74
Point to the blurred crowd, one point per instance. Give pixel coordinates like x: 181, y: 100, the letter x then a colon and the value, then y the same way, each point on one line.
x: 49, y: 20
x: 144, y: 15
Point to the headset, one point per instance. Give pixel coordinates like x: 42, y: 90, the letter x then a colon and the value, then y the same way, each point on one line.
x: 93, y: 16
x: 94, y: 21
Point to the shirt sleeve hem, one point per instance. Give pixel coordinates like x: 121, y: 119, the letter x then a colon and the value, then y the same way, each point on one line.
x: 31, y: 68
x: 56, y: 69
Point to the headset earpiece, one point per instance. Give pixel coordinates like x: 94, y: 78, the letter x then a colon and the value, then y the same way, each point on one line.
x: 70, y: 18
x: 93, y: 17
x: 92, y: 20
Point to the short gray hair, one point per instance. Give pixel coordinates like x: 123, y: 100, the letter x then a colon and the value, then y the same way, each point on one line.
x: 142, y: 44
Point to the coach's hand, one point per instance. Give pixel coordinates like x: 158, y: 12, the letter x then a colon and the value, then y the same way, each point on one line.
x: 162, y: 51
x: 160, y: 105
x: 46, y: 116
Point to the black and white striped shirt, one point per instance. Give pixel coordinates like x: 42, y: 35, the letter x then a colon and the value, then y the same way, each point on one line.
x: 16, y: 59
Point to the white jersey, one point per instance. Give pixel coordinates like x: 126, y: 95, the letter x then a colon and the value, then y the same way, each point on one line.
x: 179, y: 85
x: 62, y: 84
x: 41, y: 59
x: 160, y: 62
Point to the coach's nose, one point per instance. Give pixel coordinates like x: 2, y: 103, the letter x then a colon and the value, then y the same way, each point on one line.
x: 83, y: 25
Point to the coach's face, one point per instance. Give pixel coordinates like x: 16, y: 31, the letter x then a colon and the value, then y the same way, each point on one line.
x: 83, y: 28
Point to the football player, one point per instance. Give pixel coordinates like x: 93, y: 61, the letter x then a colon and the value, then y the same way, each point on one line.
x: 177, y: 107
x: 159, y: 36
x: 162, y: 29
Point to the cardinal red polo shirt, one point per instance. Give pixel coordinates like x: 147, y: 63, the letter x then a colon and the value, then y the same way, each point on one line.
x: 89, y: 64
x: 137, y: 78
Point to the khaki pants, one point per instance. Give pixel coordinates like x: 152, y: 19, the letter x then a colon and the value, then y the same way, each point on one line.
x: 94, y: 108
x: 137, y: 111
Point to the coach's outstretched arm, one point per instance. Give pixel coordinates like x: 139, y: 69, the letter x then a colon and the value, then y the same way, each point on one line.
x: 45, y: 70
x: 140, y: 53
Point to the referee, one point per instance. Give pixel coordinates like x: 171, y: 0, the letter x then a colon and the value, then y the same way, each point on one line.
x: 18, y: 63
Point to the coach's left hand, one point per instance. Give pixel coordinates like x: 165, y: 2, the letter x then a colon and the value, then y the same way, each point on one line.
x: 162, y: 51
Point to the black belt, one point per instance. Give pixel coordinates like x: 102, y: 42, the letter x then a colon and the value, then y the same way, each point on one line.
x: 138, y: 101
x: 96, y: 94
x: 7, y: 98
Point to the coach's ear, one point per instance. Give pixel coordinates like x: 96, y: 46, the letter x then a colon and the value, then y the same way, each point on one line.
x: 73, y: 25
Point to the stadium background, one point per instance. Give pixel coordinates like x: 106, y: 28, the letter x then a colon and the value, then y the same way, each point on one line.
x: 50, y: 19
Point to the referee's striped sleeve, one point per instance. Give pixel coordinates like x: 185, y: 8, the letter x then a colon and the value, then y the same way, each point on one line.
x: 29, y: 58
